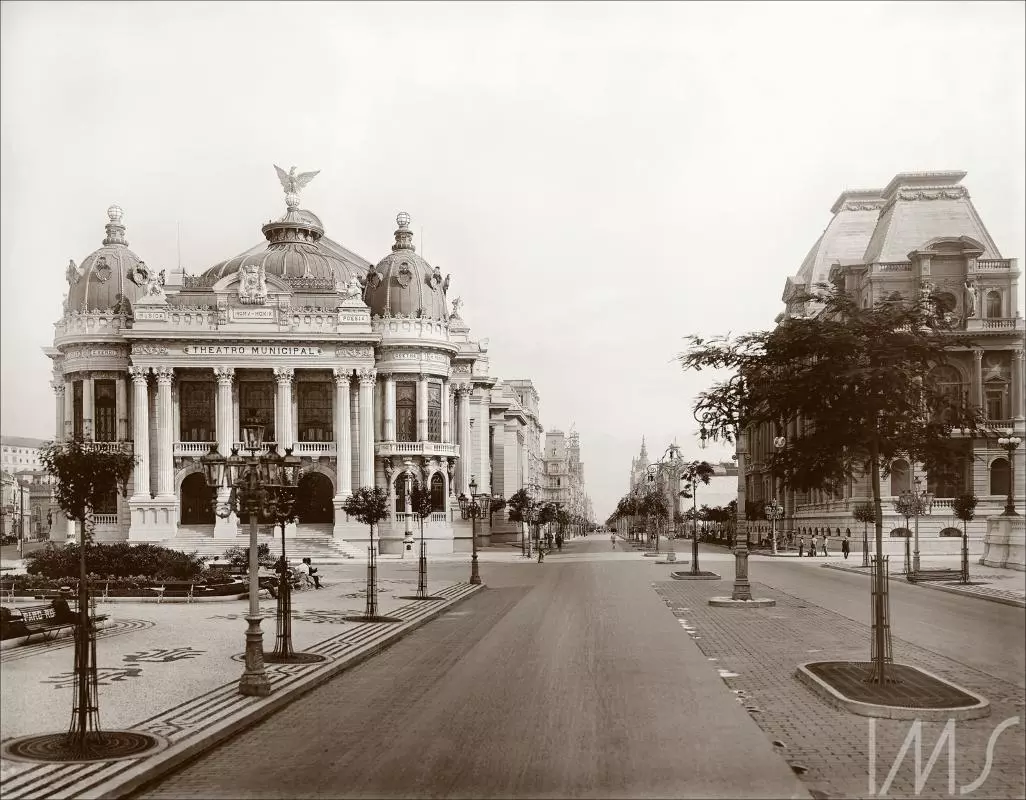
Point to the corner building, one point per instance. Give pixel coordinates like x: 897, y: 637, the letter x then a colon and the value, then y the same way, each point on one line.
x: 920, y: 233
x: 361, y: 369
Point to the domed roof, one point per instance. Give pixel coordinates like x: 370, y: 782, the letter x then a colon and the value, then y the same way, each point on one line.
x: 404, y: 283
x: 112, y: 277
x: 294, y: 250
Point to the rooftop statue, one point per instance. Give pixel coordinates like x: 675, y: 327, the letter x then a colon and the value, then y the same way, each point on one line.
x: 457, y: 303
x: 293, y: 184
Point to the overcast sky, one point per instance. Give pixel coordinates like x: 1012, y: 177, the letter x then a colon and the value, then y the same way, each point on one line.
x: 600, y: 179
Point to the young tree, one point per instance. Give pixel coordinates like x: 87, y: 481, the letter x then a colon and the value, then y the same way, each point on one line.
x: 369, y: 505
x: 964, y: 507
x: 420, y: 503
x: 859, y: 380
x: 865, y: 513
x: 694, y: 473
x: 519, y: 504
x: 85, y: 478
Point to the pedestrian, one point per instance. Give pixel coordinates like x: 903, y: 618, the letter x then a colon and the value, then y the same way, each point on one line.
x: 612, y: 540
x: 823, y: 543
x: 313, y: 573
x: 559, y: 542
x: 801, y: 546
x: 812, y: 544
x: 846, y: 546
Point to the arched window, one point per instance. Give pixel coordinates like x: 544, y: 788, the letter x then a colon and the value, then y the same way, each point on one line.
x: 437, y: 492
x: 993, y: 303
x: 945, y: 302
x: 108, y: 503
x: 999, y: 476
x: 315, y: 411
x: 901, y: 478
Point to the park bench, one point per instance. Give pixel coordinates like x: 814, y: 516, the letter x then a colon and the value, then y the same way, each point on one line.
x: 43, y: 620
x: 935, y: 574
x: 186, y: 589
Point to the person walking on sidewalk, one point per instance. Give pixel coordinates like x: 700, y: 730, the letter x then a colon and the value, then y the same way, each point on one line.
x: 823, y: 544
x: 612, y: 540
x: 846, y: 546
x: 801, y: 546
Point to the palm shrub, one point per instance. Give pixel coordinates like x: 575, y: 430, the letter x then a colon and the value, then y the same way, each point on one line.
x: 964, y: 507
x: 865, y: 513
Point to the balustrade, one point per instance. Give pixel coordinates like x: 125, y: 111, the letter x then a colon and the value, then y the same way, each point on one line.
x: 417, y: 448
x: 105, y: 519
x: 993, y: 263
x: 192, y: 448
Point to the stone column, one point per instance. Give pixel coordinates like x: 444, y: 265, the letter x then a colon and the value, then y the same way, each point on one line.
x: 367, y: 379
x: 69, y: 409
x: 58, y: 390
x: 465, y: 464
x: 224, y: 418
x: 165, y: 434
x: 140, y: 433
x: 446, y: 411
x: 389, y: 433
x: 121, y: 398
x: 1018, y: 411
x: 422, y: 410
x: 87, y: 407
x: 223, y: 415
x: 343, y: 442
x: 283, y: 420
x: 978, y: 378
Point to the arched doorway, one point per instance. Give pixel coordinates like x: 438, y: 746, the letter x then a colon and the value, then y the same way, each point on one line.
x: 437, y: 492
x: 901, y: 478
x: 1000, y: 476
x: 314, y: 499
x: 399, y: 487
x: 195, y: 500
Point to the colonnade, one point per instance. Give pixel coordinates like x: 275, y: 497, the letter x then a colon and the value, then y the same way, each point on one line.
x: 158, y: 450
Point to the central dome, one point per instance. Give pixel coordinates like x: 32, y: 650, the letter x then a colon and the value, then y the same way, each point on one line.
x: 294, y: 250
x: 404, y: 283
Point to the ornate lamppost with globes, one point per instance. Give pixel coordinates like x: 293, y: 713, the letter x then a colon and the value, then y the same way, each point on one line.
x: 774, y: 511
x: 473, y: 507
x: 1010, y: 443
x: 257, y: 485
x: 914, y: 503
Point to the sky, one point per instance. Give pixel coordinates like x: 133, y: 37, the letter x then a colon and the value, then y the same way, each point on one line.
x: 600, y: 179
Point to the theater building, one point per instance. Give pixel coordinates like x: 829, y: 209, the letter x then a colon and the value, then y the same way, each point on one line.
x: 365, y: 371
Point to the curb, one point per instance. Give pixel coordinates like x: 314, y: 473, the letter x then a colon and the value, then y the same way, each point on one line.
x: 125, y: 781
x: 687, y: 576
x: 1006, y: 601
x: 730, y: 602
x: 820, y: 687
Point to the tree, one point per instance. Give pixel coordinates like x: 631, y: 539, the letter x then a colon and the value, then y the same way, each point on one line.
x: 693, y: 473
x: 964, y: 507
x: 865, y: 513
x: 496, y: 505
x: 859, y: 381
x: 369, y: 505
x: 420, y: 504
x: 85, y: 478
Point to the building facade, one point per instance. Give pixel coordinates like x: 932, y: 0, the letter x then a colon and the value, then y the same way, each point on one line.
x: 365, y: 371
x: 921, y: 233
x: 19, y: 454
x: 563, y: 479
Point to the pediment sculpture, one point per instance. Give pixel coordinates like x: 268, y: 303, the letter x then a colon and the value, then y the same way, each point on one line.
x: 252, y: 284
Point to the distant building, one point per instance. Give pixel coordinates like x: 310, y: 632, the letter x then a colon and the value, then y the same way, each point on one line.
x: 19, y: 453
x: 564, y: 473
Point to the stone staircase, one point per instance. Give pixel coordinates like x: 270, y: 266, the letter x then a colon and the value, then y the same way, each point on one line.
x: 313, y: 541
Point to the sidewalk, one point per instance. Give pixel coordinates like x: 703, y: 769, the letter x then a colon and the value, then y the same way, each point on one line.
x: 172, y: 670
x: 836, y: 753
x: 1007, y: 586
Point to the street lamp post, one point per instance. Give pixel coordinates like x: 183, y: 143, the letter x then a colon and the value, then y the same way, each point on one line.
x: 774, y: 511
x: 912, y: 503
x: 1010, y: 443
x: 255, y: 484
x: 474, y: 506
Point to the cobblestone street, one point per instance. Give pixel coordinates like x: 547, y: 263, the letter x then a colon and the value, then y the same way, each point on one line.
x: 757, y: 651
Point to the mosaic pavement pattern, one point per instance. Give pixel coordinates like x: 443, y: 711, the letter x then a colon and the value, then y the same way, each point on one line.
x: 56, y: 781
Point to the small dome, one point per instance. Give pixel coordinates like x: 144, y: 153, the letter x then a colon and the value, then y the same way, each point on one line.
x: 403, y: 282
x: 112, y: 277
x: 294, y: 250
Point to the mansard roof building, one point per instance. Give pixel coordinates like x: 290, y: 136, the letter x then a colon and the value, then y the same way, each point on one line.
x: 921, y: 232
x: 365, y: 370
